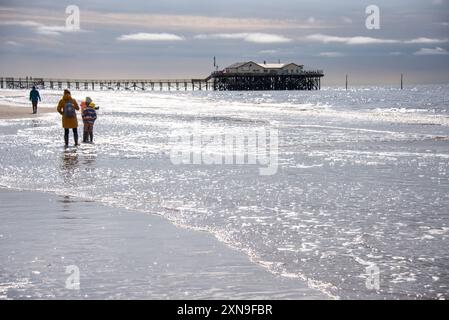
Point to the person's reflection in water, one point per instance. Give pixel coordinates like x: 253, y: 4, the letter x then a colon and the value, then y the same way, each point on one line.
x: 66, y: 203
x: 36, y: 123
x: 89, y: 158
x: 70, y: 165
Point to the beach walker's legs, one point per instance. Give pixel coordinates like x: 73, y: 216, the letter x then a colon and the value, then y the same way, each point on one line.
x: 91, y: 132
x: 34, y: 107
x: 75, y: 135
x: 88, y: 135
x: 66, y: 137
x: 85, y: 133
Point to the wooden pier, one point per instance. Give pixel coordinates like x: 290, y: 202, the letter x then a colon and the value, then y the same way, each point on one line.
x: 305, y: 80
x: 115, y: 85
x: 217, y: 81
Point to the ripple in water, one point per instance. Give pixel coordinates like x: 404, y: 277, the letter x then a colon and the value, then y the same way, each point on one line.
x: 362, y: 179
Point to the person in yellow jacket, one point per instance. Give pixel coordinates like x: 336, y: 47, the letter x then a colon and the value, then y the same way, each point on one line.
x: 67, y: 109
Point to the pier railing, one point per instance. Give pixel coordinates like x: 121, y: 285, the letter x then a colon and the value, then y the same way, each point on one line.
x: 219, y: 80
x: 95, y: 84
x: 301, y: 73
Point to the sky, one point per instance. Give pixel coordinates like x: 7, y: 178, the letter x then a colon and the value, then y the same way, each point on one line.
x: 179, y: 38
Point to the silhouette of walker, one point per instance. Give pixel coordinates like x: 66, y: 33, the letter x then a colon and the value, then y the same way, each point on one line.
x: 34, y: 98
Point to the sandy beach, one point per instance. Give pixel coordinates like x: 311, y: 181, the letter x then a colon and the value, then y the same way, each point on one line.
x: 13, y: 112
x: 120, y: 255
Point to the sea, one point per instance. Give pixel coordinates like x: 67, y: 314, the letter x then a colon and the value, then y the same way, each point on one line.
x: 346, y: 190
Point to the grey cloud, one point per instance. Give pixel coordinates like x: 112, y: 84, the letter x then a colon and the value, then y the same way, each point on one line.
x: 362, y: 40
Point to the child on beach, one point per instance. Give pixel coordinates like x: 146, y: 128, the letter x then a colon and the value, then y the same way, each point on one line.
x: 89, y: 116
x: 85, y: 103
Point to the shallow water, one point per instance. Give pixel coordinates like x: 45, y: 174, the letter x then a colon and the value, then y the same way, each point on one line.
x: 362, y: 179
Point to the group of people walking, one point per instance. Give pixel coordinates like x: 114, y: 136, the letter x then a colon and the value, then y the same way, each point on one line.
x: 67, y: 108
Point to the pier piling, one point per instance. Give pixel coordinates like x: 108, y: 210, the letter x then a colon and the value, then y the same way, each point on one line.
x: 216, y: 81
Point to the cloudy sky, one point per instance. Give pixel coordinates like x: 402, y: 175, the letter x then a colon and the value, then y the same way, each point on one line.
x: 179, y: 38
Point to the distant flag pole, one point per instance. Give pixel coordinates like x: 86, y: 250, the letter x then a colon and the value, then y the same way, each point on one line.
x: 215, y: 62
x: 346, y: 82
x: 402, y: 81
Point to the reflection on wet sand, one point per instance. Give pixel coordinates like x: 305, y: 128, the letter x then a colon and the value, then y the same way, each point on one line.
x: 78, y: 164
x: 36, y: 123
x: 73, y: 158
x: 69, y: 165
x: 70, y: 160
x: 74, y: 163
x: 66, y: 203
x: 89, y: 156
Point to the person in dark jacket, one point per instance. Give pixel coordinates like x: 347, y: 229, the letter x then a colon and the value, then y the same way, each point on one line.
x: 34, y: 98
x: 89, y: 116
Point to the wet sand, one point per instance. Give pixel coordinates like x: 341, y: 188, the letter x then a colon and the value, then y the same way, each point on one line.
x: 13, y: 112
x: 121, y: 254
